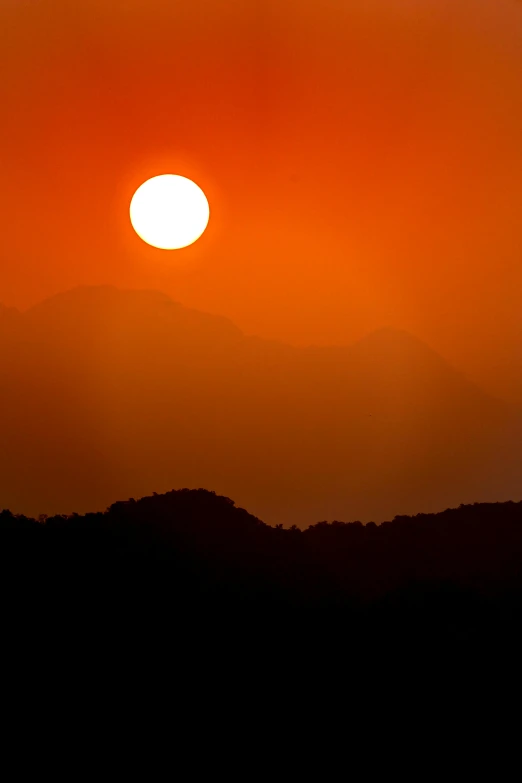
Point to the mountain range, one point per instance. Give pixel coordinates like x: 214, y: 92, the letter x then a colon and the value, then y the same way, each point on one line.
x: 108, y: 393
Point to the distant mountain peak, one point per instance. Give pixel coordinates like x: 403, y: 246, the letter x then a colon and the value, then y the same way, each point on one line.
x: 107, y: 305
x: 87, y: 295
x: 388, y: 334
x: 396, y: 344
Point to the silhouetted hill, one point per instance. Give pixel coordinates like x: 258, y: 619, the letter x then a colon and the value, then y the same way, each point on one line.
x: 107, y: 393
x: 193, y: 556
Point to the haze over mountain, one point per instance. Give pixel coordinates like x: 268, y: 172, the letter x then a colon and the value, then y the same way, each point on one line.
x: 107, y: 393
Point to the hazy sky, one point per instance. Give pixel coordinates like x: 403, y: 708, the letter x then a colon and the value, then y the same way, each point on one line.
x: 363, y: 161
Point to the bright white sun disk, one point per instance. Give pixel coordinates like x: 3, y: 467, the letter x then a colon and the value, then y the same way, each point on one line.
x: 169, y: 212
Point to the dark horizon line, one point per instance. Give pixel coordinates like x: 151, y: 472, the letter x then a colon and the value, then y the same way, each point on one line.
x: 419, y: 516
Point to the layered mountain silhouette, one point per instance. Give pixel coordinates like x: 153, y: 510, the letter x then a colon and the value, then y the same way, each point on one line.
x: 107, y: 393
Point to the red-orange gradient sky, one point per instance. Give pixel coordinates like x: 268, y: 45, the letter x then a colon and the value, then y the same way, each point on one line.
x: 362, y: 159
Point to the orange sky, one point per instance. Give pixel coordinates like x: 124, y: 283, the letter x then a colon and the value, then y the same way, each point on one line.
x: 363, y: 162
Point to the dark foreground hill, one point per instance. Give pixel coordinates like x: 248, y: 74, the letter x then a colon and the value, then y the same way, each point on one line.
x: 190, y: 558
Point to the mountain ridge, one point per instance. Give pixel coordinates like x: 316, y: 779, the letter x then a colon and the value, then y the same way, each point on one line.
x: 383, y: 338
x: 125, y: 391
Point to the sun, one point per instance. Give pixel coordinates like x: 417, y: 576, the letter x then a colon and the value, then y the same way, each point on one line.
x: 169, y: 212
